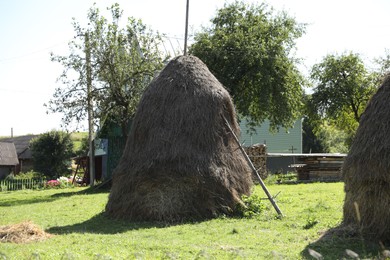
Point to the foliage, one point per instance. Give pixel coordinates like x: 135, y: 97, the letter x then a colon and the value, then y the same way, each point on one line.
x: 80, y: 143
x: 52, y: 152
x: 25, y: 175
x: 310, y: 142
x: 384, y: 63
x: 250, y: 50
x: 323, y: 137
x: 75, y: 217
x: 122, y: 63
x: 59, y: 183
x: 343, y: 87
x: 252, y: 206
x: 83, y: 147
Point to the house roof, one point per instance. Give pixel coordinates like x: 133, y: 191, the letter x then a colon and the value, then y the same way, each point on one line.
x: 22, y: 144
x: 8, y: 154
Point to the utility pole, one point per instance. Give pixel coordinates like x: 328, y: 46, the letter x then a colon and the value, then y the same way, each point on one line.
x: 90, y: 111
x: 186, y: 30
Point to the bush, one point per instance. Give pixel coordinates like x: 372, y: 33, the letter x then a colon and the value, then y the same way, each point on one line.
x: 26, y: 175
x: 61, y: 182
x: 52, y: 153
x: 252, y: 207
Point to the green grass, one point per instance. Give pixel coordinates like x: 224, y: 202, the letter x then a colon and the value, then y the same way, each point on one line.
x: 77, y: 138
x: 82, y: 231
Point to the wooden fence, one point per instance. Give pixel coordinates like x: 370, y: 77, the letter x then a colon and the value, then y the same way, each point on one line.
x: 21, y: 184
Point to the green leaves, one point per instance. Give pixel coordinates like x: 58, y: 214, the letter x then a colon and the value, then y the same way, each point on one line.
x: 123, y: 62
x: 248, y: 48
x: 343, y: 86
x: 52, y: 152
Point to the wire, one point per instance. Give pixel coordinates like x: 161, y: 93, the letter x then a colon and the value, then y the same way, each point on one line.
x: 31, y: 53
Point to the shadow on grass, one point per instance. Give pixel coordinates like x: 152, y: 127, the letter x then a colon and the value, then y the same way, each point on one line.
x: 50, y: 198
x: 101, y: 224
x: 87, y: 191
x: 342, y: 243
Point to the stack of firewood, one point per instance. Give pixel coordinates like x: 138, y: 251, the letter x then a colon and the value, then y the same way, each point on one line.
x: 258, y: 155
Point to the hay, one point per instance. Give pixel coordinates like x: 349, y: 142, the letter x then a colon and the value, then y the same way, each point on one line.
x: 24, y: 232
x: 180, y: 162
x: 366, y: 170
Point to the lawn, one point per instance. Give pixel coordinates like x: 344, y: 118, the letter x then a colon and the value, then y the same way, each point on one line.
x: 81, y: 231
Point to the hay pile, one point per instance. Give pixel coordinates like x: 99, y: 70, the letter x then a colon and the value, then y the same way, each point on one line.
x: 366, y: 170
x: 180, y: 162
x: 22, y: 233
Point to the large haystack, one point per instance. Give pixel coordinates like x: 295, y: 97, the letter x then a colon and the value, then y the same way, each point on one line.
x: 180, y: 162
x: 366, y: 170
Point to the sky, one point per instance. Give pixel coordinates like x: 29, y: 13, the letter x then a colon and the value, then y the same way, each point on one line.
x: 31, y: 29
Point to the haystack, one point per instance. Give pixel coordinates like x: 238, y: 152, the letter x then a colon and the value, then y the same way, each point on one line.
x: 180, y: 162
x: 366, y: 170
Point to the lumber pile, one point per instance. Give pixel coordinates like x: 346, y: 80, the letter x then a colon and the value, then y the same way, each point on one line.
x: 319, y: 167
x: 258, y: 155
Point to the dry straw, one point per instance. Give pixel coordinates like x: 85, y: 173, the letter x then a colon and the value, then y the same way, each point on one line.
x: 22, y: 233
x: 180, y: 162
x: 366, y: 170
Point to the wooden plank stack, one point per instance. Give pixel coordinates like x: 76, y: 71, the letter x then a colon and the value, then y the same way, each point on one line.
x: 319, y: 167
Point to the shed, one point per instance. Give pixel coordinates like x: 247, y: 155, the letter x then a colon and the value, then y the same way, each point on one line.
x: 23, y: 151
x: 8, y: 159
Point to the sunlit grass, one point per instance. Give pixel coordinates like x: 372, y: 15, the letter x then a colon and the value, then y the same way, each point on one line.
x: 75, y: 216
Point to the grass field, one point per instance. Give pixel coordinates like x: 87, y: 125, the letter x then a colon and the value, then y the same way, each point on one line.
x: 81, y: 231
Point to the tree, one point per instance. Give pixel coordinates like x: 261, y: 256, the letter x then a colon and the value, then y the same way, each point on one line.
x: 122, y: 62
x: 310, y: 142
x: 384, y: 63
x: 52, y: 152
x: 250, y: 50
x: 343, y: 87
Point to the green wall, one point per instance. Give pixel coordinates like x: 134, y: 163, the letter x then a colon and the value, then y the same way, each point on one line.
x: 280, y: 142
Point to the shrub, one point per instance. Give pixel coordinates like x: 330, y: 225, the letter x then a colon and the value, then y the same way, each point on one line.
x: 61, y: 182
x: 52, y: 153
x: 252, y: 206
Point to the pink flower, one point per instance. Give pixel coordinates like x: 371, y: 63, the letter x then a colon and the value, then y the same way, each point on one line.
x: 53, y: 183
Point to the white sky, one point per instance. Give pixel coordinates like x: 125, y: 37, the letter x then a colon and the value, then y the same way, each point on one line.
x: 31, y: 29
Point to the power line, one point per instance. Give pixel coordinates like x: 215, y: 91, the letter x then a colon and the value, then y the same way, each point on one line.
x: 31, y: 53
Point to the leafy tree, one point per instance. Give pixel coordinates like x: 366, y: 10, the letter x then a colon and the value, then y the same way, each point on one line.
x: 250, y: 50
x: 310, y: 142
x: 52, y: 152
x: 343, y: 87
x: 331, y: 138
x: 384, y: 63
x: 122, y: 63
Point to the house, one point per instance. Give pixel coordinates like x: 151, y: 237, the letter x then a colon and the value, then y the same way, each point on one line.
x: 282, y: 146
x: 283, y: 141
x: 8, y: 159
x: 22, y: 145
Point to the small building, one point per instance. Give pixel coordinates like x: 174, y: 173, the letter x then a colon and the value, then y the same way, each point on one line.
x: 283, y: 141
x: 22, y: 145
x: 8, y: 159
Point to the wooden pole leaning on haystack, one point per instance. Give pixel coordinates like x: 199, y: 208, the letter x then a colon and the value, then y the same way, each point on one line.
x: 254, y: 170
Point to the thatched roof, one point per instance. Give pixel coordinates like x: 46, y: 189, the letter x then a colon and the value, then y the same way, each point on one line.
x: 180, y: 162
x: 366, y: 170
